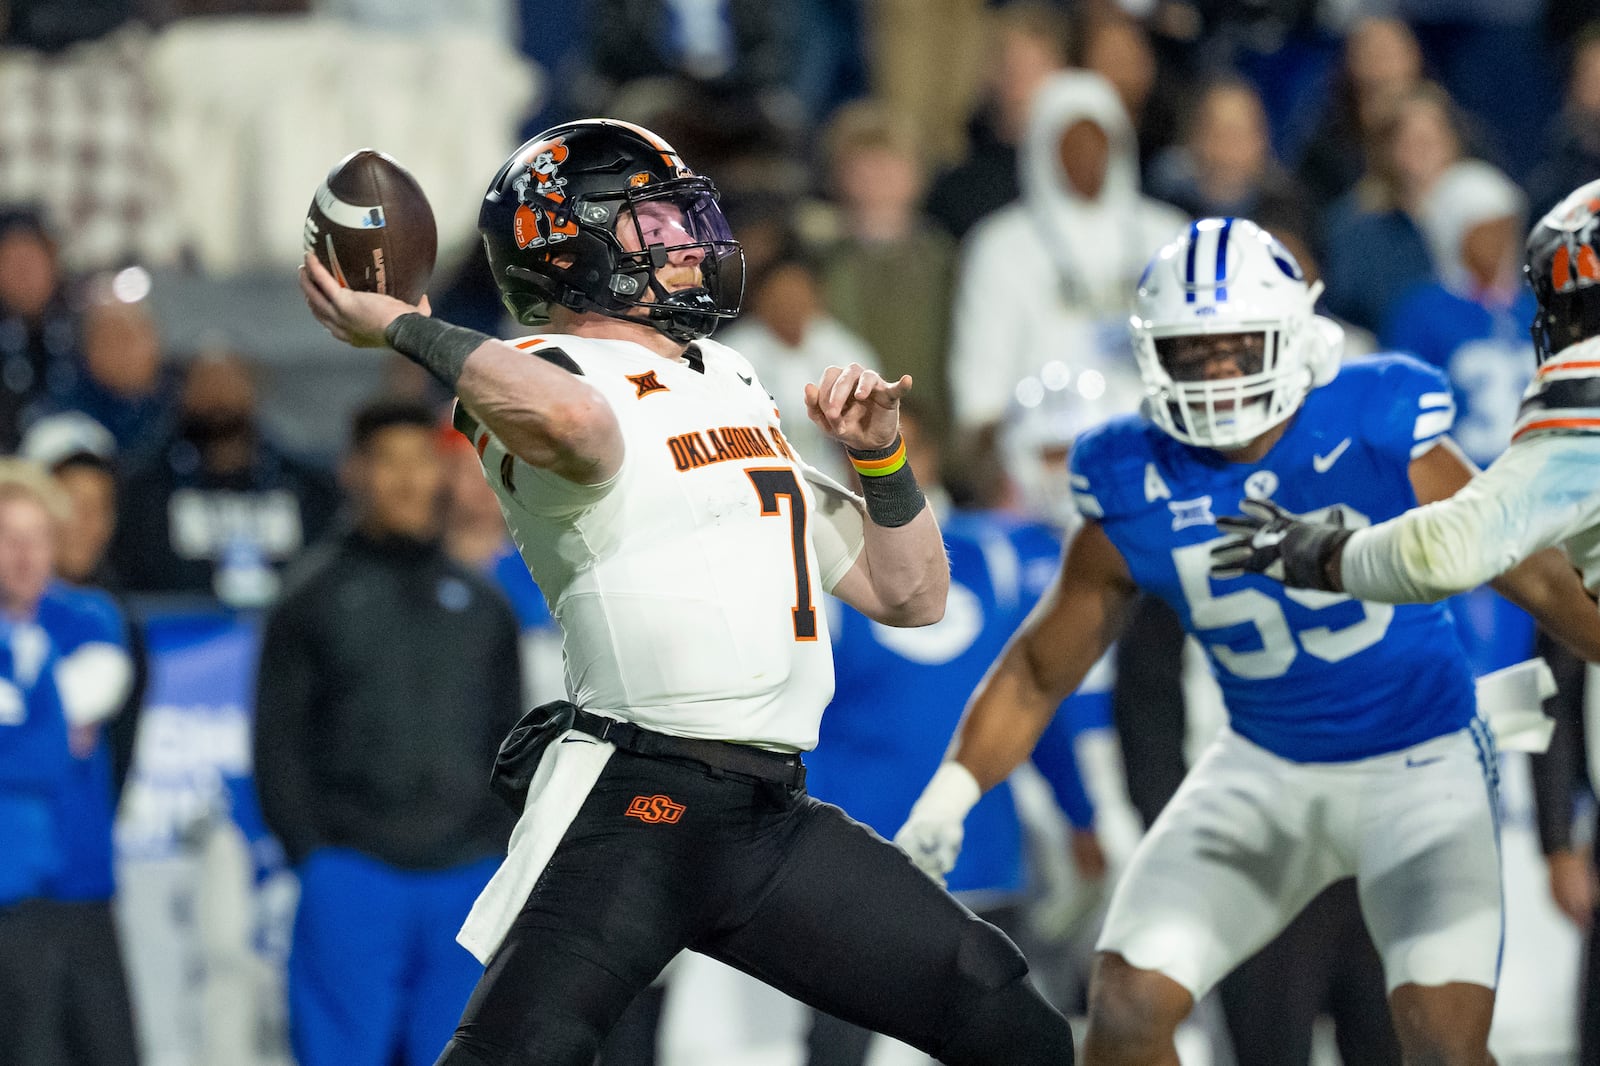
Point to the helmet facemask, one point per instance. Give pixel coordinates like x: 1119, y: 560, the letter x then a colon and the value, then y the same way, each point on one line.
x: 1228, y: 411
x: 1227, y: 300
x: 665, y: 251
x: 600, y: 216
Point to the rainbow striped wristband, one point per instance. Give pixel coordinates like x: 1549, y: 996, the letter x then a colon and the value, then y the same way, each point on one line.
x: 888, y: 486
x: 879, y: 462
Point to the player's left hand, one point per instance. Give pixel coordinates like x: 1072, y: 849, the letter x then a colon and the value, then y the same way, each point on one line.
x: 357, y: 318
x: 933, y: 843
x: 1268, y: 540
x: 856, y: 407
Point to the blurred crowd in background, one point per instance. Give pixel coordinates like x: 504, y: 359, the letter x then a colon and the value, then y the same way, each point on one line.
x: 962, y: 190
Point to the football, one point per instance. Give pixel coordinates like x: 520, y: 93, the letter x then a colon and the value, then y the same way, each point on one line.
x: 371, y: 226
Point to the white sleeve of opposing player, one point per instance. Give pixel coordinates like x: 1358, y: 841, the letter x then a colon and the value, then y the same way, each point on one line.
x: 839, y: 532
x: 1539, y: 493
x: 93, y: 682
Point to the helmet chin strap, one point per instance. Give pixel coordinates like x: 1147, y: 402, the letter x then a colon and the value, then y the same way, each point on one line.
x: 684, y: 315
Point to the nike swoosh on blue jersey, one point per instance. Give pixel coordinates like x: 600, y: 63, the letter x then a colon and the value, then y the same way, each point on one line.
x: 1324, y: 463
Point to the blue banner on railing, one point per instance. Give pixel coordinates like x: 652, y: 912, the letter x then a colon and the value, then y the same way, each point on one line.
x: 192, y: 762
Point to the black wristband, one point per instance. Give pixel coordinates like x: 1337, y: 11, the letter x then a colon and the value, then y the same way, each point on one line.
x: 1307, y: 551
x: 889, y: 487
x: 437, y: 347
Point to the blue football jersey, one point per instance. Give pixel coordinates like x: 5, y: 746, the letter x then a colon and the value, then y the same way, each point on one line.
x: 1312, y: 676
x: 34, y: 763
x: 900, y: 693
x: 1486, y: 353
x: 86, y: 805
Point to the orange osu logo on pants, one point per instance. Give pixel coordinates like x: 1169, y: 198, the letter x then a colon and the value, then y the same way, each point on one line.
x: 655, y: 809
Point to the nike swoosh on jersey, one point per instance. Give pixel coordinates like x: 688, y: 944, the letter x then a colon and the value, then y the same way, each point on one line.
x: 1413, y: 762
x: 1324, y: 463
x: 741, y: 377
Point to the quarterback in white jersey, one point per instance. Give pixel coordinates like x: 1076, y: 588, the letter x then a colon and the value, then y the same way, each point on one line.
x: 684, y: 548
x: 689, y: 585
x: 1540, y: 493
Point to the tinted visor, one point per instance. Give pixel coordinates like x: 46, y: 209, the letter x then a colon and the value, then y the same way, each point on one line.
x: 679, y: 235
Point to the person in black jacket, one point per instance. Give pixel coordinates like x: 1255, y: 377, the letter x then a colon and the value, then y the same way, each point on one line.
x: 218, y: 507
x: 388, y: 675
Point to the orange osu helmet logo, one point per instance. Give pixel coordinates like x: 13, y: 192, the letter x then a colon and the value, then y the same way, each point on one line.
x: 532, y: 226
x: 545, y: 160
x: 1569, y: 271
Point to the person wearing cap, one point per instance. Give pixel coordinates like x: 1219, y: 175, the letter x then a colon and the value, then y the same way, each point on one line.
x: 82, y: 456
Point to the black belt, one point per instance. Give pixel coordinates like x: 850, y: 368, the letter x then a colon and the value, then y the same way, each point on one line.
x: 785, y: 770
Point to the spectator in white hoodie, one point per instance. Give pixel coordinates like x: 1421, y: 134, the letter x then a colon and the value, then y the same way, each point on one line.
x: 1049, y: 277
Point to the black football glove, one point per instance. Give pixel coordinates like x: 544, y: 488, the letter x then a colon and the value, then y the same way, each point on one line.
x: 1268, y: 540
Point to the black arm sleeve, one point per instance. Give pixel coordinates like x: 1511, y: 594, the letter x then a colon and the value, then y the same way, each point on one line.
x: 285, y: 691
x: 1559, y: 773
x: 1147, y: 705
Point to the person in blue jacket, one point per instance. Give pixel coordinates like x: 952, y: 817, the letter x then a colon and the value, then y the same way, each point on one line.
x: 65, y: 669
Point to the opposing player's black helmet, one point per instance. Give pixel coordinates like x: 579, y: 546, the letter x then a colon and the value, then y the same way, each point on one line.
x: 1563, y: 267
x: 560, y: 215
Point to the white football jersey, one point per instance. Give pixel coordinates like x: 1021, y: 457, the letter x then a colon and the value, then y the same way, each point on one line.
x: 689, y: 586
x: 1540, y: 493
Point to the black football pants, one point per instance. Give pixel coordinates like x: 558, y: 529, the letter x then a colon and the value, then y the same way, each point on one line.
x: 765, y: 879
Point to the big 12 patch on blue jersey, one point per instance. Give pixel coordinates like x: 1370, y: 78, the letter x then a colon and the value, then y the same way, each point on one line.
x: 1311, y: 676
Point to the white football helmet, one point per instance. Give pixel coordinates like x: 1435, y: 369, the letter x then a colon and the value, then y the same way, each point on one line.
x: 1229, y: 276
x: 1047, y: 412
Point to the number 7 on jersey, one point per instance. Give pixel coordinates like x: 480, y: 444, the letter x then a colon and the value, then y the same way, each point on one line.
x: 772, y: 483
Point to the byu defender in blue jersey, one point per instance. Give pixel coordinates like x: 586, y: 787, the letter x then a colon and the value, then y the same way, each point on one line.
x: 1354, y: 747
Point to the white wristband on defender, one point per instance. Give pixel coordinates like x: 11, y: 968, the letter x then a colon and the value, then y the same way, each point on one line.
x: 950, y: 794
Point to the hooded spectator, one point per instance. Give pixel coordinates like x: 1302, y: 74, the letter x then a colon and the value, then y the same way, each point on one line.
x: 1051, y: 277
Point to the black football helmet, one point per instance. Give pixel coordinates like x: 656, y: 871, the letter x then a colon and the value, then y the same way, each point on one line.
x: 585, y: 216
x: 1563, y: 266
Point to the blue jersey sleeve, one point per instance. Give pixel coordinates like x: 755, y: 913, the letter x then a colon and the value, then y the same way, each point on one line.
x: 1409, y: 406
x: 76, y: 616
x: 33, y: 730
x: 1107, y: 466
